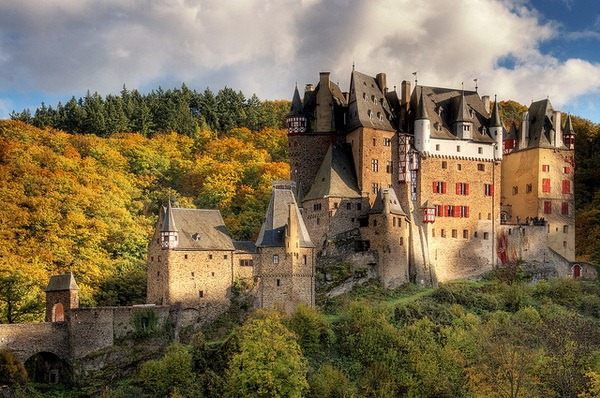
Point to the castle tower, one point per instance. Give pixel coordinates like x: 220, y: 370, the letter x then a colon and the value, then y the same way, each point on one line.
x: 286, y: 271
x: 496, y: 131
x: 388, y: 233
x: 62, y: 295
x: 370, y: 134
x: 538, y: 180
x: 569, y: 134
x: 422, y: 127
x: 463, y: 125
x: 312, y: 125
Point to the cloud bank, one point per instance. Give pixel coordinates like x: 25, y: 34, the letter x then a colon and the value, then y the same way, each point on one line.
x: 64, y: 47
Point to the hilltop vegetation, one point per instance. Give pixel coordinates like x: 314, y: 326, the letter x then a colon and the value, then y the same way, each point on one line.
x: 88, y: 204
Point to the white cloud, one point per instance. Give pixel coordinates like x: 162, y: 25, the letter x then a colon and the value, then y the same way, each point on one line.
x: 70, y: 46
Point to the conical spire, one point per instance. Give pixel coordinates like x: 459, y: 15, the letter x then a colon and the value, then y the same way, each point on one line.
x: 421, y: 108
x: 168, y: 224
x: 568, y: 130
x: 296, y: 109
x: 462, y: 114
x: 495, y: 119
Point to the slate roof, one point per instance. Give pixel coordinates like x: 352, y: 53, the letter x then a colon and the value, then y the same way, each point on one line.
x: 296, y: 108
x: 200, y: 229
x: 569, y: 126
x: 62, y: 282
x: 541, y: 124
x: 495, y: 118
x: 445, y: 106
x: 367, y: 106
x: 168, y: 224
x: 272, y: 230
x: 310, y: 103
x: 387, y: 202
x: 512, y: 133
x: 244, y: 246
x: 336, y: 176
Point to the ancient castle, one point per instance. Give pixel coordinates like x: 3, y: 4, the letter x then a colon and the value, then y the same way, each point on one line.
x: 420, y: 186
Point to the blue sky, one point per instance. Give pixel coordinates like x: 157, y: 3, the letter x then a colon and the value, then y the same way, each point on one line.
x: 516, y: 49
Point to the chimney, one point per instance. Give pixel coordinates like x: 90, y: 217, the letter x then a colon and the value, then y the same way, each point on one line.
x: 486, y: 103
x: 556, y: 119
x: 405, y: 94
x: 381, y: 82
x: 309, y: 87
x: 324, y: 79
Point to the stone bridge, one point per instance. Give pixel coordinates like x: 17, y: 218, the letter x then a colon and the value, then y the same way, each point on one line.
x: 26, y: 340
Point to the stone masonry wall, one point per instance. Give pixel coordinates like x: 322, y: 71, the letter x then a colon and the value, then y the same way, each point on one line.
x: 27, y: 339
x: 307, y: 152
x: 461, y: 247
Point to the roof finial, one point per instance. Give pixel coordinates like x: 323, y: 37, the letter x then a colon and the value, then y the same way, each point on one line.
x: 415, y: 75
x: 475, y: 80
x: 353, y: 65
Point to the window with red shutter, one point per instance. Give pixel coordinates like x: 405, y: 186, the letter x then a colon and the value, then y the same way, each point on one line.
x: 547, y: 207
x: 545, y: 185
x: 566, y: 185
x: 444, y: 187
x: 565, y: 208
x: 456, y: 211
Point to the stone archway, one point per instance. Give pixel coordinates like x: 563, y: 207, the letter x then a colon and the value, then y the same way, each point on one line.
x: 46, y: 367
x: 58, y: 313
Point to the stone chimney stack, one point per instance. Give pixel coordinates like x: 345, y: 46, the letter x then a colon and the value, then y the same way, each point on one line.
x: 405, y: 94
x: 557, y: 121
x: 486, y: 103
x: 309, y: 87
x: 381, y: 82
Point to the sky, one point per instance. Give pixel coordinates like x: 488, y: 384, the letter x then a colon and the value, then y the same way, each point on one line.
x: 523, y: 50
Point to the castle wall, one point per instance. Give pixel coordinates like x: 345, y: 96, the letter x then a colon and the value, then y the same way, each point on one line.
x: 372, y: 153
x: 289, y: 282
x: 327, y: 217
x: 306, y: 152
x: 460, y: 241
x: 92, y: 329
x: 523, y: 190
x: 27, y: 339
x: 388, y: 234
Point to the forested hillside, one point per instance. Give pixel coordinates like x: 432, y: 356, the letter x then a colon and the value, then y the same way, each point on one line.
x: 87, y: 204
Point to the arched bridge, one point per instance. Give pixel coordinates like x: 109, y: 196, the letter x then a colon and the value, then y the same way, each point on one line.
x: 26, y: 340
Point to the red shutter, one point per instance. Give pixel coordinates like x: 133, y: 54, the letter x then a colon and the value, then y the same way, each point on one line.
x: 566, y: 186
x: 466, y: 189
x: 456, y: 211
x: 458, y: 188
x: 444, y: 187
x: 492, y: 190
x: 545, y: 185
x: 435, y: 187
x: 467, y: 212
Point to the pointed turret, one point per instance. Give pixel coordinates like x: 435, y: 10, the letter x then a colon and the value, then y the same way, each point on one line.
x: 168, y: 230
x: 296, y: 119
x: 496, y: 130
x: 569, y: 134
x: 463, y: 124
x: 422, y: 126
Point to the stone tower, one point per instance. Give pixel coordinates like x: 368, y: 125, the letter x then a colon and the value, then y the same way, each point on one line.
x: 62, y: 295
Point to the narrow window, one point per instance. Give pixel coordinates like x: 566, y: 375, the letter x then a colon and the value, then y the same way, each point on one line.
x: 459, y: 167
x: 565, y: 229
x: 348, y: 206
x: 479, y: 150
x: 566, y: 186
x: 481, y: 167
x: 545, y: 167
x: 201, y: 293
x: 465, y: 234
x: 547, y: 207
x: 224, y: 256
x: 185, y: 256
x: 374, y: 165
x: 488, y: 190
x: 210, y: 256
x: 528, y: 188
x: 486, y: 235
x: 515, y: 190
x: 454, y: 233
x: 275, y: 259
x: 564, y: 208
x: 304, y: 259
x: 444, y: 164
x: 278, y: 282
x: 401, y: 241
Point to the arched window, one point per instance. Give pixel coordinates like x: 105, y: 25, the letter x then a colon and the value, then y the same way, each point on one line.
x: 58, y: 313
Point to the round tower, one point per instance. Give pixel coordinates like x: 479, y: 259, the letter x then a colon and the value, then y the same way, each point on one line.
x: 496, y: 130
x: 422, y: 127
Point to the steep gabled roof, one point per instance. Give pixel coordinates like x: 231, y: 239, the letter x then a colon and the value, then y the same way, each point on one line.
x: 272, y: 231
x: 62, y: 282
x: 367, y: 106
x: 387, y: 202
x: 541, y: 124
x: 511, y: 134
x: 442, y: 104
x: 421, y: 109
x: 569, y: 126
x: 462, y: 113
x: 200, y: 229
x: 336, y: 176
